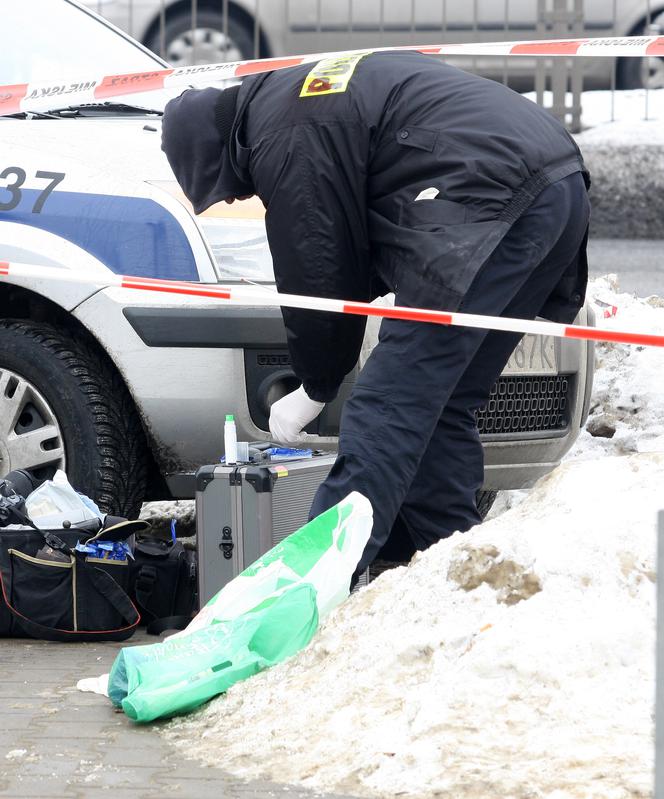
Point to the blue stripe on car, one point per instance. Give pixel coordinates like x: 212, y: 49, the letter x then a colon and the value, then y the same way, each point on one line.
x: 130, y: 235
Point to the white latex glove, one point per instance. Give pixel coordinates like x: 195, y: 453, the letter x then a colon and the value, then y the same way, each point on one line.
x: 291, y: 414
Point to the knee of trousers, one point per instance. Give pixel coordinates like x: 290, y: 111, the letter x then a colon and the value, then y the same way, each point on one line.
x: 380, y: 424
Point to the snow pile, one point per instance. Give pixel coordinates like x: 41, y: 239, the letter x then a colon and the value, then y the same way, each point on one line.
x: 160, y: 514
x: 515, y: 660
x: 623, y: 146
x: 627, y: 408
x: 628, y: 117
x: 626, y: 161
x: 621, y: 118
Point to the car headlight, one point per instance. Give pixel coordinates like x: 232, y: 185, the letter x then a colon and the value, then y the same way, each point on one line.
x: 234, y: 233
x: 239, y: 247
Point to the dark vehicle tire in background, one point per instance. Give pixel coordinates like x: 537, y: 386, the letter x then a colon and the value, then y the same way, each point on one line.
x: 485, y: 500
x: 637, y: 73
x: 62, y: 405
x: 207, y: 43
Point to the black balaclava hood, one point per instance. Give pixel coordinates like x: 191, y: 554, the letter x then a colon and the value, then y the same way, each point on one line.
x: 196, y: 132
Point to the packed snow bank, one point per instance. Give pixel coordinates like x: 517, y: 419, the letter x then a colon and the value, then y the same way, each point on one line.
x: 627, y: 408
x: 161, y: 513
x: 619, y: 118
x: 623, y: 145
x: 626, y: 161
x: 515, y: 660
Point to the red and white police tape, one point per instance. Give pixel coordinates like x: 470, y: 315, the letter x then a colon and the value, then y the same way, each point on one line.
x: 253, y: 296
x: 45, y: 95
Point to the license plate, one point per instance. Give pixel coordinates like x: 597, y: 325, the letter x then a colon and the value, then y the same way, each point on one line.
x: 533, y: 355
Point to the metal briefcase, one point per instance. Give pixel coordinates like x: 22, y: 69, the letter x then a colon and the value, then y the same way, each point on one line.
x: 243, y: 511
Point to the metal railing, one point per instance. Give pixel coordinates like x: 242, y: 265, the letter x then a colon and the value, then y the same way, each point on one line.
x: 217, y: 30
x: 560, y: 21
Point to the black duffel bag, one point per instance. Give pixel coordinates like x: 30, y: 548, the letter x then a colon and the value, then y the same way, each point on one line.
x: 53, y: 592
x: 163, y: 583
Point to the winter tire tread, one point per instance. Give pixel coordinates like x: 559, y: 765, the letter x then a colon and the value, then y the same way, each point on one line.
x: 120, y: 478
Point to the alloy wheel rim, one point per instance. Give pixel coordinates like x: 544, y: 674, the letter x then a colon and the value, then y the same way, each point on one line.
x: 30, y: 434
x: 207, y: 45
x: 652, y: 73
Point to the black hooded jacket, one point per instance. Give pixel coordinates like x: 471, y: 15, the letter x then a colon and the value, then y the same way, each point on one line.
x: 339, y: 151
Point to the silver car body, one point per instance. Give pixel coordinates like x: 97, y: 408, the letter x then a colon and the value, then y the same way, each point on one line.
x: 305, y: 26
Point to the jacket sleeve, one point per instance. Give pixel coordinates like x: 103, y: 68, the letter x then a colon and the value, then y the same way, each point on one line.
x: 312, y: 179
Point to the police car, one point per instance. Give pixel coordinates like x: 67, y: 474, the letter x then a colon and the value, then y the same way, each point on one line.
x: 127, y: 390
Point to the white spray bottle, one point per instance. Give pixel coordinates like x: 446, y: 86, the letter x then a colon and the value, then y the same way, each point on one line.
x: 230, y: 440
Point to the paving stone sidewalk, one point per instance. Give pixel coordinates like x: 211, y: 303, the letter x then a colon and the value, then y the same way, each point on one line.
x: 59, y: 743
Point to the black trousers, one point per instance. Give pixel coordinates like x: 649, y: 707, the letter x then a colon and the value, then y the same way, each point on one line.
x: 408, y: 438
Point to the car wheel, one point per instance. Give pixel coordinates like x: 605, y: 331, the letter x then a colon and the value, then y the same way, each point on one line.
x: 206, y: 43
x: 638, y: 73
x: 64, y: 406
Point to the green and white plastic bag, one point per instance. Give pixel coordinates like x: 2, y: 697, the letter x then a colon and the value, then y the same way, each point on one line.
x: 267, y: 613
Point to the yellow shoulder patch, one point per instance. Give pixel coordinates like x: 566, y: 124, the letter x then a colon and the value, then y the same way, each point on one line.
x: 331, y: 75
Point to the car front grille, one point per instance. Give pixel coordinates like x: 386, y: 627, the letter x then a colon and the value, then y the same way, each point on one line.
x: 519, y: 406
x: 528, y: 404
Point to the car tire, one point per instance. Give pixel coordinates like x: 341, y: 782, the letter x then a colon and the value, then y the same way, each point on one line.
x: 485, y: 500
x: 630, y: 71
x: 69, y: 385
x: 240, y: 44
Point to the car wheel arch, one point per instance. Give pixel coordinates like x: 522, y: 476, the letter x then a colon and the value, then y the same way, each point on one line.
x: 624, y: 67
x: 17, y: 302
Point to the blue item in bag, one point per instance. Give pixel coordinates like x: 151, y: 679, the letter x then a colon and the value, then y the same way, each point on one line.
x: 105, y: 550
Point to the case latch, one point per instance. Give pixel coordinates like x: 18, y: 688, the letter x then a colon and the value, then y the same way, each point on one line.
x: 226, y: 544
